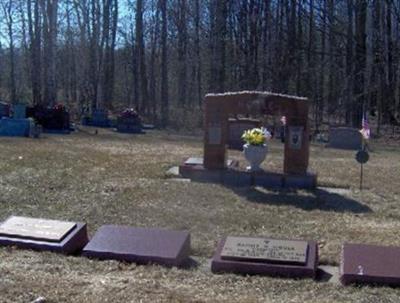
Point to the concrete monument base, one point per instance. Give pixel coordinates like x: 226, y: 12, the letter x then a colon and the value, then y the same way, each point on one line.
x: 233, y: 176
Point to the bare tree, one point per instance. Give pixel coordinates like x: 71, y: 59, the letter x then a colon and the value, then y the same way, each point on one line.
x: 164, y: 64
x: 9, y: 10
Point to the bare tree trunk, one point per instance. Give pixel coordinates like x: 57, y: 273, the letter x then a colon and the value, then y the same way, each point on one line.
x: 321, y: 86
x: 391, y: 73
x: 299, y: 51
x: 198, y: 53
x: 360, y: 62
x: 164, y: 64
x: 182, y: 52
x: 222, y: 11
x: 9, y: 10
x: 332, y: 102
x: 349, y: 61
x: 152, y: 69
x: 110, y: 22
x: 311, y: 82
x: 266, y: 40
x: 49, y: 12
x: 141, y: 57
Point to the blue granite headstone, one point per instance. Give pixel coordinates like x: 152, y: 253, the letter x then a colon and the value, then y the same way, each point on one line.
x: 19, y: 111
x: 100, y: 118
x: 15, y: 127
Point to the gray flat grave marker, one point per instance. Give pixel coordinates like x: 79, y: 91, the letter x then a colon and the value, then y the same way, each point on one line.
x: 37, y: 229
x: 41, y: 234
x: 140, y: 245
x: 264, y: 250
x: 263, y: 256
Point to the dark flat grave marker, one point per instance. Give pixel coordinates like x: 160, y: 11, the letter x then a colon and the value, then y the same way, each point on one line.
x: 263, y: 256
x: 140, y: 245
x: 41, y: 234
x: 370, y: 264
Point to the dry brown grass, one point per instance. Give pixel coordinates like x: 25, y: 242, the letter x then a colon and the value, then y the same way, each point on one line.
x: 120, y: 179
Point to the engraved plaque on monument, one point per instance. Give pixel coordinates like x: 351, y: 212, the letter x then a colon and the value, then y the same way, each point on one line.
x: 265, y: 250
x: 39, y: 229
x: 41, y: 234
x: 214, y: 135
x: 295, y: 137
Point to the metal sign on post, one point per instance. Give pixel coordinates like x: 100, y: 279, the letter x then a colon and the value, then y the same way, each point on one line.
x: 362, y: 157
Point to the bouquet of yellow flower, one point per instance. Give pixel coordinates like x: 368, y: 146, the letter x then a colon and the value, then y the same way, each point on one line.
x: 256, y: 136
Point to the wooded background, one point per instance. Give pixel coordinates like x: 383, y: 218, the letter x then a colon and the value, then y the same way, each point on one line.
x: 163, y: 56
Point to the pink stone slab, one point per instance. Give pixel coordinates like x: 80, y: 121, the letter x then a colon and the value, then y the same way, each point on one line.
x: 308, y: 270
x: 370, y: 264
x: 139, y: 245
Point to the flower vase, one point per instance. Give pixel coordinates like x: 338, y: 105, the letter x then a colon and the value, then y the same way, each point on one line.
x: 255, y: 155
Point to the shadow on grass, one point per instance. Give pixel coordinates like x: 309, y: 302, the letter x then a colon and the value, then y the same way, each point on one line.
x: 318, y: 199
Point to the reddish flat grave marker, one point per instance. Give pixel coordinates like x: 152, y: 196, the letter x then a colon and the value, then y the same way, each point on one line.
x: 263, y: 256
x: 42, y: 234
x: 370, y: 264
x: 139, y: 245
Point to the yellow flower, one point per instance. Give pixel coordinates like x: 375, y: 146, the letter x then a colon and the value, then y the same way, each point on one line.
x: 256, y: 136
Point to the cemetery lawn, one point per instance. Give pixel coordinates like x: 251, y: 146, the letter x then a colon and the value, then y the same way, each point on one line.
x: 113, y: 178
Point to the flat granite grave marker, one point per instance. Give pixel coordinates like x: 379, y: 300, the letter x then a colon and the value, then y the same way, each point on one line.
x: 259, y: 249
x: 370, y: 264
x: 263, y: 256
x: 139, y: 245
x: 37, y: 229
x: 41, y: 234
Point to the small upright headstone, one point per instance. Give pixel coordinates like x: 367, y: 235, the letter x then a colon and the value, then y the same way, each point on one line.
x: 15, y: 127
x: 19, y: 111
x: 41, y: 234
x: 4, y: 110
x: 370, y: 264
x: 100, y: 118
x: 140, y: 245
x: 345, y: 138
x: 129, y: 121
x: 263, y: 256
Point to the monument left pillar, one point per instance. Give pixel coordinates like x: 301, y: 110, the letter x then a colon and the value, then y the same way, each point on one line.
x: 215, y: 132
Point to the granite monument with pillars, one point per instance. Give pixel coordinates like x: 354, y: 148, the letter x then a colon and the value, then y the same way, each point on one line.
x: 215, y: 165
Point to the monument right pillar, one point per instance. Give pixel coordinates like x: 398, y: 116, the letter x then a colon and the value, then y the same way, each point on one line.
x: 297, y: 139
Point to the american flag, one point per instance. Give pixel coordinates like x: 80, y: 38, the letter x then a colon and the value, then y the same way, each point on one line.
x: 365, y: 130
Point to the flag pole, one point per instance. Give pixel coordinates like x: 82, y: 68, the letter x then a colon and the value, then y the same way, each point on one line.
x: 361, y: 177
